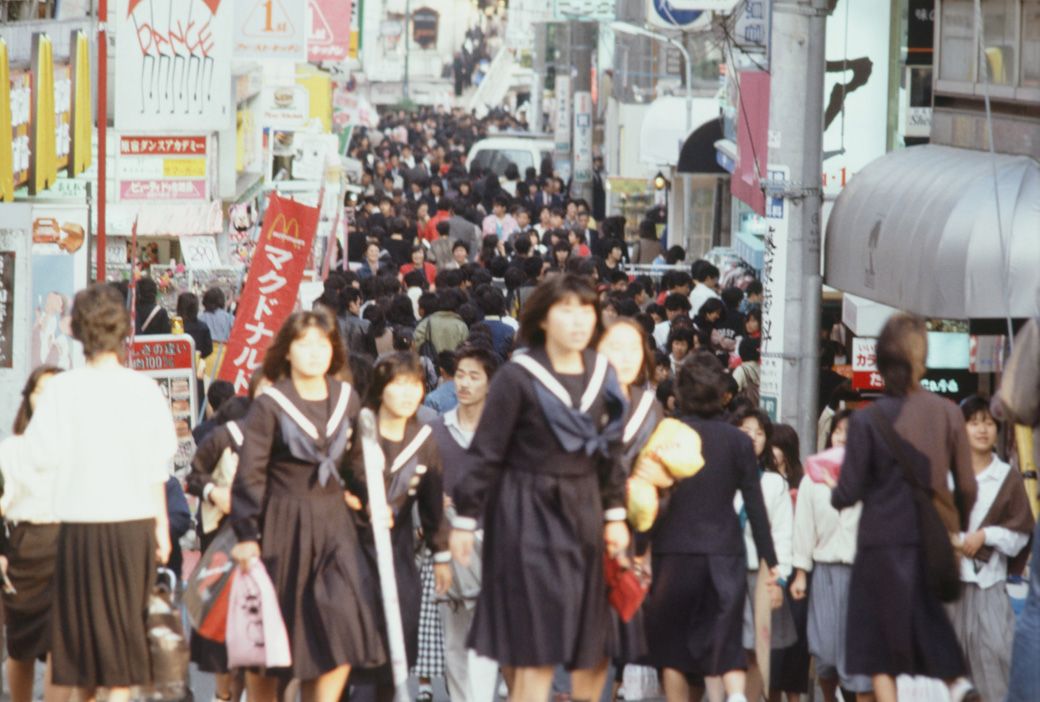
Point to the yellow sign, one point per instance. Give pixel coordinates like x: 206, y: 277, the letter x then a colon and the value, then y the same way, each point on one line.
x: 184, y: 168
x: 81, y: 122
x: 43, y: 167
x: 6, y: 150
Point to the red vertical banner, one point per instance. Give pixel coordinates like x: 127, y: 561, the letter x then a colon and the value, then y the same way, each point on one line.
x: 270, y: 291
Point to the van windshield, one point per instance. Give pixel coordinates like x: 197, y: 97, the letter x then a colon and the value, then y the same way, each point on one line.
x: 498, y: 160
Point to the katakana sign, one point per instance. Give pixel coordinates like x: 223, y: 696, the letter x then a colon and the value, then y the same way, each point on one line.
x: 271, y: 29
x: 270, y: 291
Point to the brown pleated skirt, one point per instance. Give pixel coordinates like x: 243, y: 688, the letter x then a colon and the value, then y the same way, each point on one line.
x: 33, y: 550
x: 104, y: 574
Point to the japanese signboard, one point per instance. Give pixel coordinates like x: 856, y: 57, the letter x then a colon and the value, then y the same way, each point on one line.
x: 162, y: 168
x: 865, y: 375
x: 7, y: 309
x: 774, y: 304
x: 170, y: 360
x: 582, y: 168
x: 174, y: 63
x: 329, y: 35
x: 270, y: 291
x: 271, y: 29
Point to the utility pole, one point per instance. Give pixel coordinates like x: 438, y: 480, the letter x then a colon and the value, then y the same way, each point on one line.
x: 583, y: 46
x: 535, y: 123
x: 790, y: 358
x: 562, y: 121
x: 405, y: 97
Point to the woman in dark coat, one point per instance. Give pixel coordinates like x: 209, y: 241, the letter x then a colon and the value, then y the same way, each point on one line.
x: 545, y: 475
x: 288, y: 507
x: 695, y: 609
x: 896, y: 625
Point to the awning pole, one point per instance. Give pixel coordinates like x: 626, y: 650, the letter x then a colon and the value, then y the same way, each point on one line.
x: 102, y: 130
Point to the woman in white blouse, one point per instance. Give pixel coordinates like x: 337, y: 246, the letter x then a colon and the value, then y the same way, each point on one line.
x: 103, y: 437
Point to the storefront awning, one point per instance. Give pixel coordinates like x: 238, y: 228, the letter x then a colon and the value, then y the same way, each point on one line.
x: 698, y: 152
x: 917, y: 229
x: 664, y: 132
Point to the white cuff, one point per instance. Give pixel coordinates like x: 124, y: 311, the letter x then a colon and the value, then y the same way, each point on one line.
x: 206, y: 491
x: 615, y: 514
x: 464, y: 523
x: 442, y: 557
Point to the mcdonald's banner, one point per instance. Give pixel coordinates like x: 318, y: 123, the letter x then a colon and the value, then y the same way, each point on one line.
x: 270, y: 292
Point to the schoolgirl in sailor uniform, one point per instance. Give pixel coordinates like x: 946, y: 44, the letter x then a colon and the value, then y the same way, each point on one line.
x: 624, y: 343
x: 288, y: 507
x: 414, y: 479
x: 544, y: 471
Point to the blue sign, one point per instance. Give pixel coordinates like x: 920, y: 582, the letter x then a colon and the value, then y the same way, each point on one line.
x: 665, y: 13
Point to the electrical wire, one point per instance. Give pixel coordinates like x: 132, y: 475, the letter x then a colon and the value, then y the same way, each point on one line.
x: 984, y: 66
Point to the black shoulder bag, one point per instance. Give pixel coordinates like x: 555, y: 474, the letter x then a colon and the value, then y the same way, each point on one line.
x: 942, y: 573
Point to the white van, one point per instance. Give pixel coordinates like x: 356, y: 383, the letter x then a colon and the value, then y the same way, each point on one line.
x: 497, y: 152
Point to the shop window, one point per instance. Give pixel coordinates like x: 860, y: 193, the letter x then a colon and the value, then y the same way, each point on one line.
x: 1000, y: 41
x: 1031, y: 43
x: 957, y: 40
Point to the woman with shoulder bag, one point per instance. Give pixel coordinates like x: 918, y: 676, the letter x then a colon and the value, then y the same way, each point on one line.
x: 899, y: 457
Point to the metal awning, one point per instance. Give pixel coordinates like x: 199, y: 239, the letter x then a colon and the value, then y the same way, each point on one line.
x: 698, y: 151
x: 917, y: 229
x: 663, y: 131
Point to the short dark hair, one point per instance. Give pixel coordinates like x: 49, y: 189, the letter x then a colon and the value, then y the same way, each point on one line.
x: 450, y: 300
x: 701, y: 270
x: 276, y: 361
x: 977, y: 404
x: 147, y: 291
x: 754, y: 288
x: 700, y: 383
x: 218, y: 393
x: 486, y: 357
x: 732, y: 297
x: 188, y: 306
x: 213, y: 300
x: 460, y: 244
x: 679, y: 334
x: 712, y: 304
x: 428, y: 303
x: 549, y: 293
x: 677, y: 301
x: 446, y: 362
x: 751, y: 412
x: 389, y: 367
x: 100, y: 320
x: 785, y: 438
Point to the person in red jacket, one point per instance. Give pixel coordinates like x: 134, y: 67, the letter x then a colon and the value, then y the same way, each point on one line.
x: 419, y: 263
x: 444, y: 213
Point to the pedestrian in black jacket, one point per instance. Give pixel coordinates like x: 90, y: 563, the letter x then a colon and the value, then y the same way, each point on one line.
x: 694, y: 612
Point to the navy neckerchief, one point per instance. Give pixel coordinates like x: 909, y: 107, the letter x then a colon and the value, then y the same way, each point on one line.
x: 303, y: 439
x: 575, y: 429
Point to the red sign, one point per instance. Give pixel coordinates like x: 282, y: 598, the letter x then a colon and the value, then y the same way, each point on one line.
x: 328, y: 38
x: 752, y: 139
x: 865, y: 375
x: 270, y: 291
x: 162, y: 145
x: 164, y: 355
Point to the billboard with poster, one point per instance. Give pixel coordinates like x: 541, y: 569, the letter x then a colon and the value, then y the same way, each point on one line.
x: 59, y: 270
x: 174, y: 64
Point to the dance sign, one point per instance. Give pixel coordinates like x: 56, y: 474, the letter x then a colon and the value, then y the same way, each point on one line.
x: 270, y: 292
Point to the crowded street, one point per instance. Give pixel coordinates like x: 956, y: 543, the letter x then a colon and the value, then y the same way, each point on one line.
x: 479, y: 350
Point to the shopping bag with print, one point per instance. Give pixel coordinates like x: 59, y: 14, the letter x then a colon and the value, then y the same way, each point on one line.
x: 209, y: 585
x: 256, y: 635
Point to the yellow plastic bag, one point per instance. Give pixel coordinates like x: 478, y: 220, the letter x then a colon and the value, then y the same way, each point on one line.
x: 677, y: 447
x: 641, y: 504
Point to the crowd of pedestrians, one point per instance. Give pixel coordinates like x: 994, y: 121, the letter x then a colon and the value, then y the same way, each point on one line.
x: 520, y: 380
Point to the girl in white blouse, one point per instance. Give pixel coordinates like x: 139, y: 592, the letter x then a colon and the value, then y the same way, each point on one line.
x: 103, y: 436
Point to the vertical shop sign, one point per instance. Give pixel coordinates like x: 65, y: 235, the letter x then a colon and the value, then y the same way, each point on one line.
x: 7, y: 309
x: 328, y: 38
x: 174, y: 64
x: 43, y: 166
x: 6, y: 145
x: 271, y: 29
x: 81, y: 121
x: 270, y: 291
